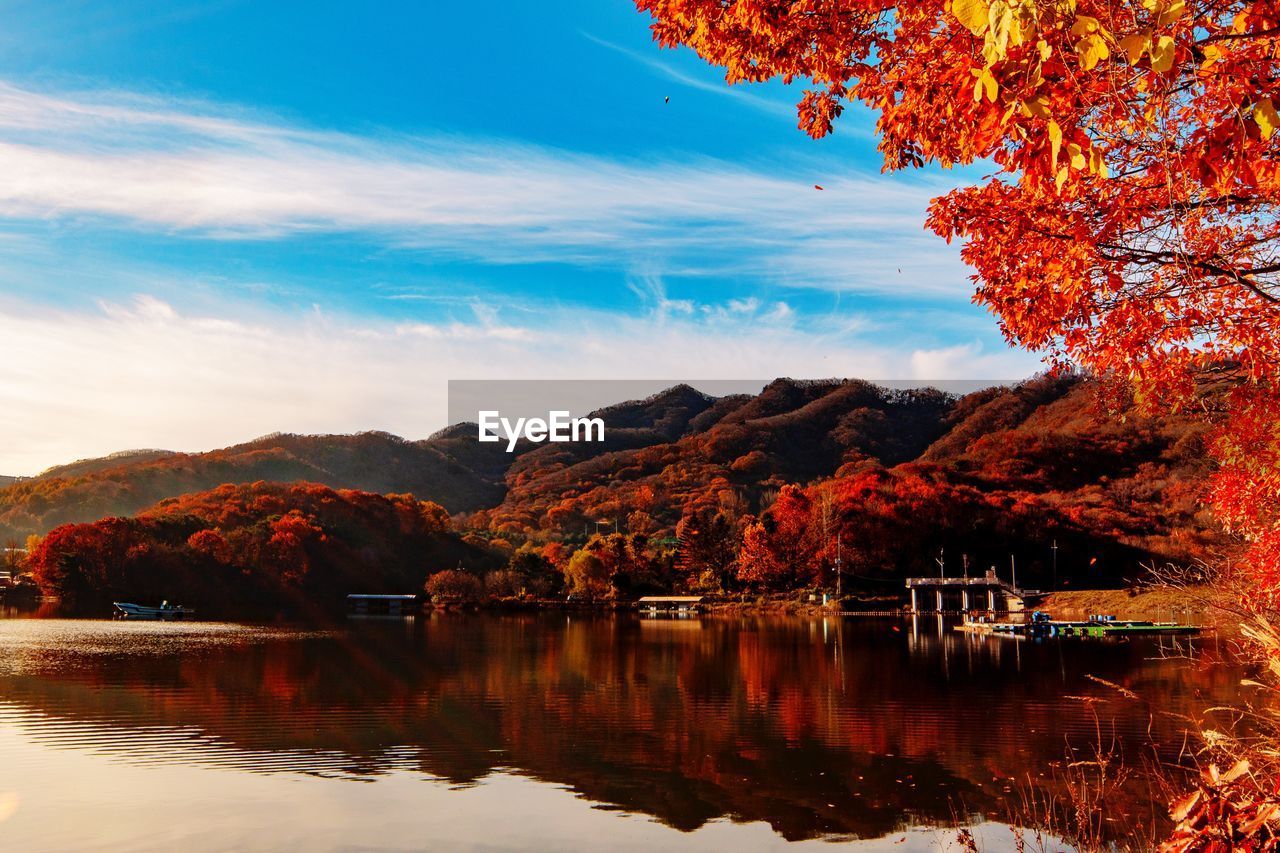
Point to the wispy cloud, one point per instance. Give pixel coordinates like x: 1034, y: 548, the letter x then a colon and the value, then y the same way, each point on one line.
x: 144, y: 374
x: 202, y: 172
x: 740, y: 93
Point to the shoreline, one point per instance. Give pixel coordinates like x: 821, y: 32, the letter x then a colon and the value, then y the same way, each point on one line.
x: 1195, y: 605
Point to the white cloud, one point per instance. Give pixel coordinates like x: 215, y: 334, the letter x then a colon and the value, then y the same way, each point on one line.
x: 77, y: 384
x: 192, y: 170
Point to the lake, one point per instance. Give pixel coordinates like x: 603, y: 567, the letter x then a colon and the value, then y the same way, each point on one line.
x: 554, y: 731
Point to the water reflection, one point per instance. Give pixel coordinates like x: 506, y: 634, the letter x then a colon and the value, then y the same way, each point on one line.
x: 821, y: 727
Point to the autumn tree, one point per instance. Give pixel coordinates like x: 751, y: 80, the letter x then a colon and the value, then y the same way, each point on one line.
x: 533, y: 571
x: 259, y: 548
x: 586, y: 574
x: 1130, y: 225
x: 780, y: 551
x: 454, y: 585
x: 707, y: 547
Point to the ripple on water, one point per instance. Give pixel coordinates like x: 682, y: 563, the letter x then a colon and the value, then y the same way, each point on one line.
x: 53, y: 645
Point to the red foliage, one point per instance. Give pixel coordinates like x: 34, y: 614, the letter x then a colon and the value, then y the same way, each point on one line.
x: 1131, y: 224
x: 265, y: 545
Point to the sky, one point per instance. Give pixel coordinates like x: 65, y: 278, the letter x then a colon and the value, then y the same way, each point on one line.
x: 224, y: 219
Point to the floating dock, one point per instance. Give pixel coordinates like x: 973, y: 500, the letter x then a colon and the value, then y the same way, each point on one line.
x: 1041, y: 626
x: 670, y: 605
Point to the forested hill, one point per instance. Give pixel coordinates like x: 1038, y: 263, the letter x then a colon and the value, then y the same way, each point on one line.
x: 1045, y: 455
x: 458, y: 472
x: 901, y: 474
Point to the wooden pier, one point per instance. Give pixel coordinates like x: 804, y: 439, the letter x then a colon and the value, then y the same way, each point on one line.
x: 677, y: 605
x: 965, y: 595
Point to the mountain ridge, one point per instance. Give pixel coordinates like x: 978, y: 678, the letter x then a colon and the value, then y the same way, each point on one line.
x: 1047, y: 439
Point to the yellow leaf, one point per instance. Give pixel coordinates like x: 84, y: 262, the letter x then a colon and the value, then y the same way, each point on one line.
x: 972, y: 13
x: 1017, y: 32
x: 1084, y: 26
x: 1172, y: 12
x: 1265, y: 116
x: 988, y: 82
x: 1055, y: 143
x: 1076, y: 154
x: 1000, y: 20
x: 1045, y: 50
x: 1036, y: 106
x: 1061, y: 179
x: 1097, y: 165
x: 1091, y: 50
x: 1134, y: 46
x: 1162, y: 54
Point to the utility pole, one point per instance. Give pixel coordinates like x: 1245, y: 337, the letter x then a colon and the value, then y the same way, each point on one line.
x: 942, y: 566
x: 1055, y: 564
x: 1013, y: 567
x: 965, y: 559
x: 840, y: 573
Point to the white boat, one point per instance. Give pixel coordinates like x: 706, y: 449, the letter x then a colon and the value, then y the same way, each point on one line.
x: 166, y: 612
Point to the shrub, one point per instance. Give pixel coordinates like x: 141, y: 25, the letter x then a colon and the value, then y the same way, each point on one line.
x: 504, y: 583
x: 455, y: 586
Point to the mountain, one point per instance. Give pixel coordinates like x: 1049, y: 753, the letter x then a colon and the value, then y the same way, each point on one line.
x: 905, y: 475
x: 1046, y: 457
x: 790, y: 432
x: 456, y: 470
x: 450, y: 467
x: 84, y: 467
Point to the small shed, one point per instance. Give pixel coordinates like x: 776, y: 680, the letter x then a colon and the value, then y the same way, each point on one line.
x: 671, y: 603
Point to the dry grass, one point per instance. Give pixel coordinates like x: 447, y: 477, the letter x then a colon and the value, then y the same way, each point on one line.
x: 1194, y: 604
x: 1225, y: 794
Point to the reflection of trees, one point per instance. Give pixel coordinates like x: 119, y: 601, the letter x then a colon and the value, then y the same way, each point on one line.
x: 817, y: 728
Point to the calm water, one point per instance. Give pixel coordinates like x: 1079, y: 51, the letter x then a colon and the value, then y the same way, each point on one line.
x: 550, y: 732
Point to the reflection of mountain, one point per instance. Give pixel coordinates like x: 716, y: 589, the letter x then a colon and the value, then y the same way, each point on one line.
x: 842, y: 727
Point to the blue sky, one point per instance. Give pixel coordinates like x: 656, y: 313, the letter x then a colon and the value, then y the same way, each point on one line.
x: 228, y: 218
